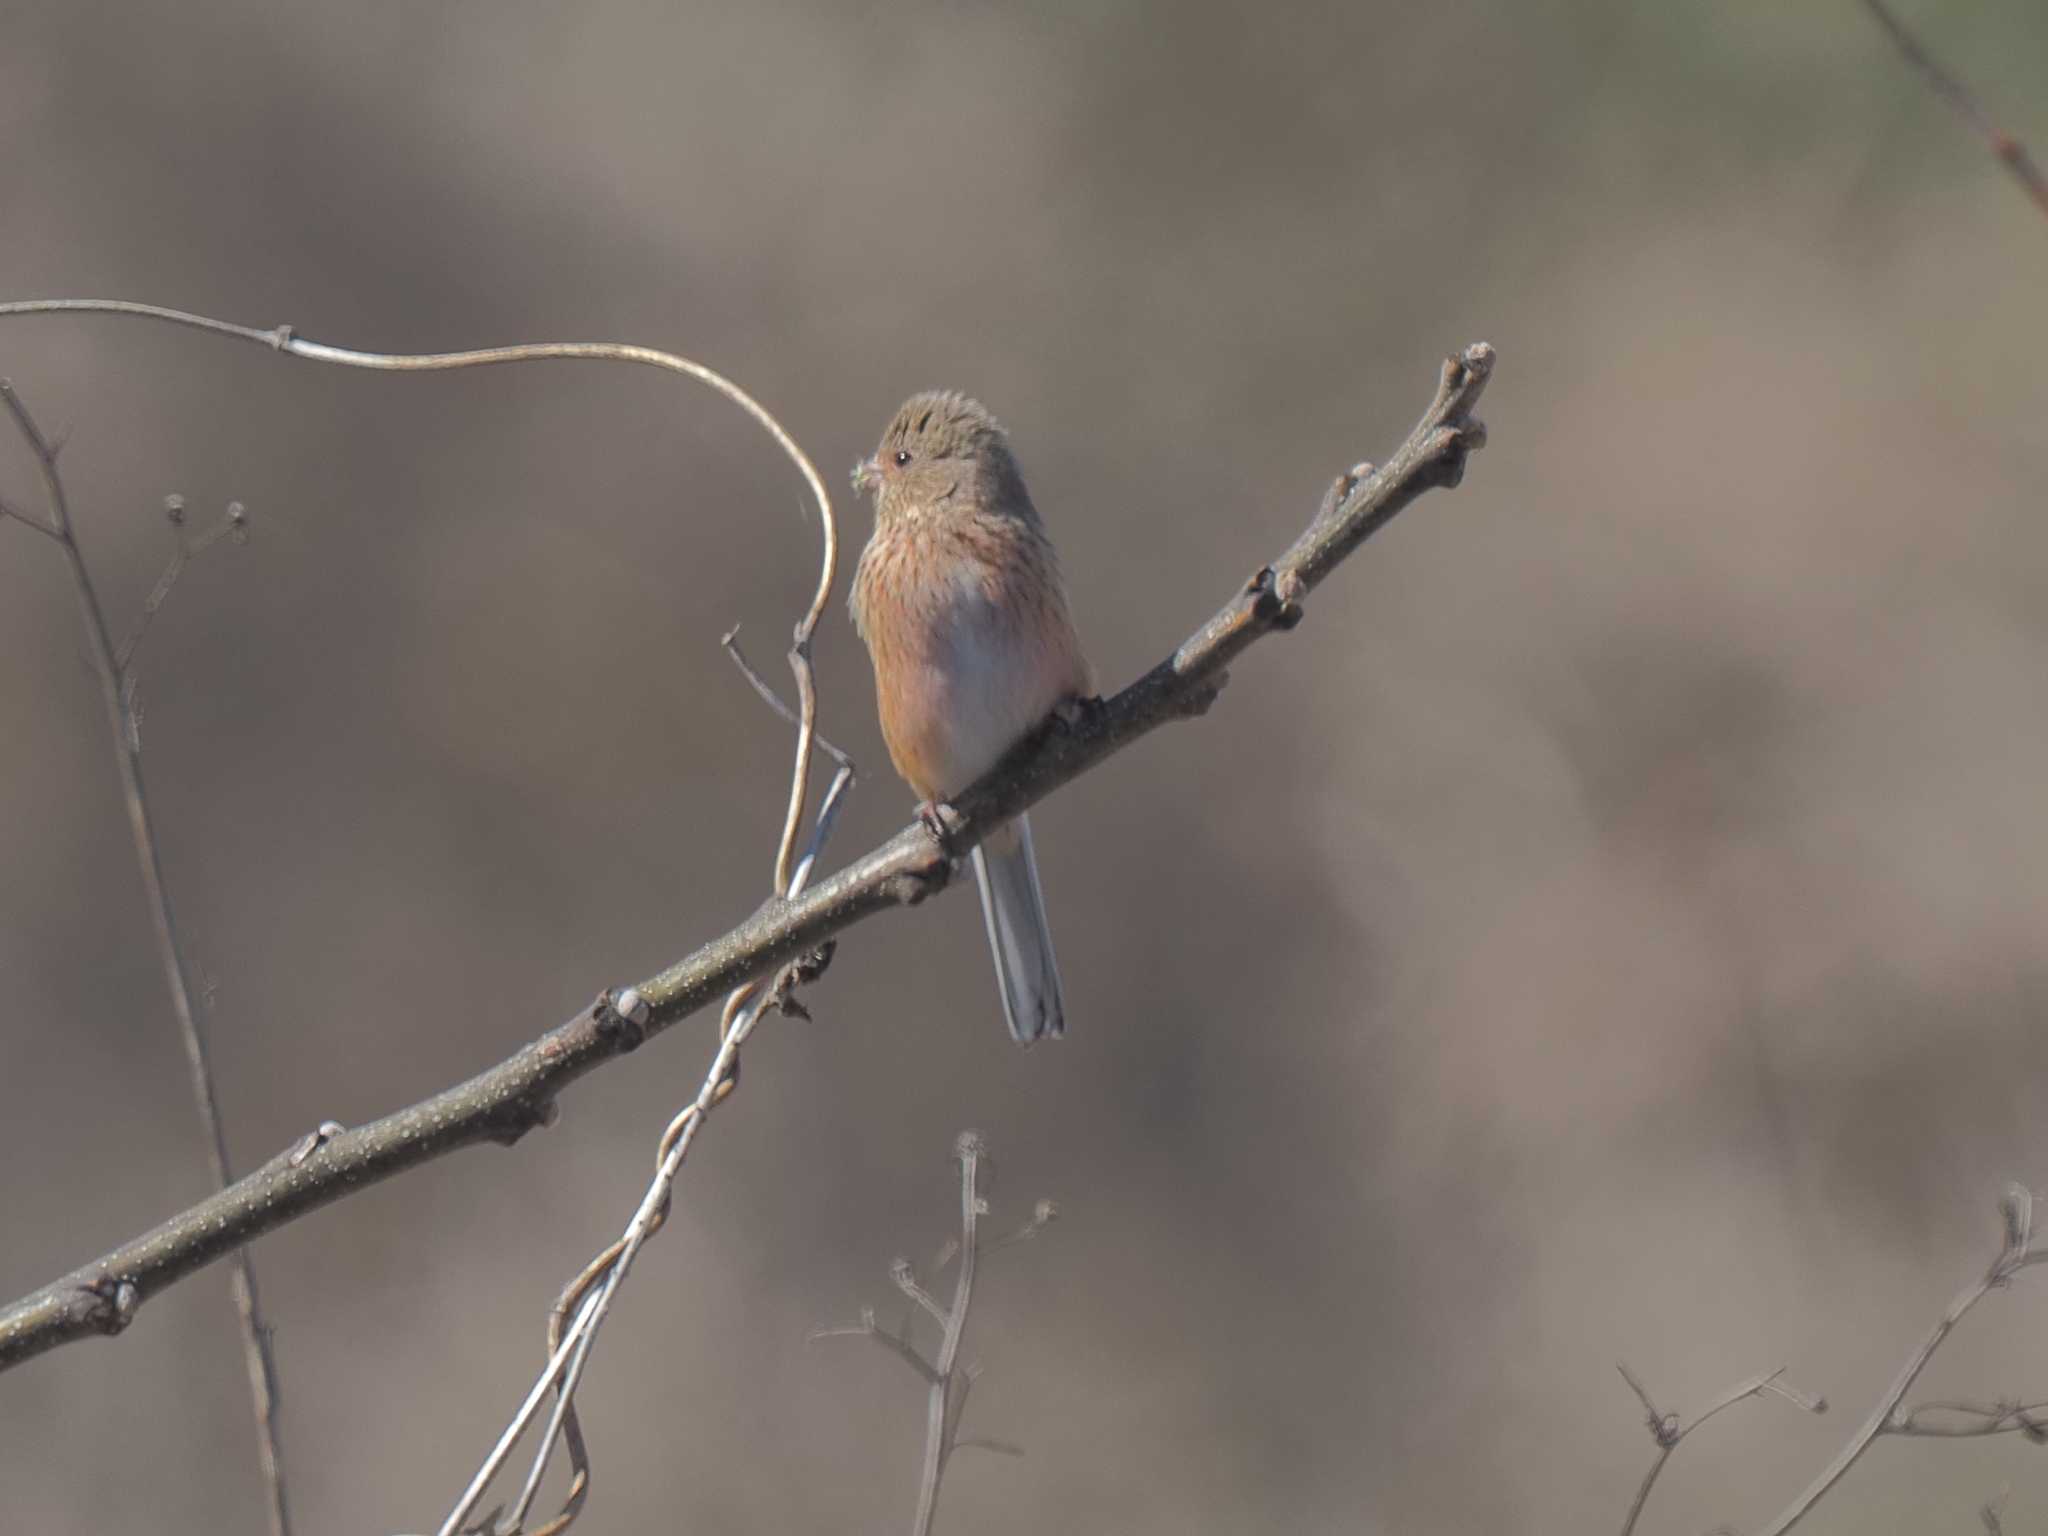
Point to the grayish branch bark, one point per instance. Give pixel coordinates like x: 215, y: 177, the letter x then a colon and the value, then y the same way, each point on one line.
x: 518, y: 1094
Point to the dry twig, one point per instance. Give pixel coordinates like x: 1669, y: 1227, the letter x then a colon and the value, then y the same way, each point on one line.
x: 1944, y: 1419
x: 2009, y: 150
x: 2014, y: 1255
x: 1669, y: 1432
x: 114, y: 667
x: 947, y: 1382
x: 508, y: 1100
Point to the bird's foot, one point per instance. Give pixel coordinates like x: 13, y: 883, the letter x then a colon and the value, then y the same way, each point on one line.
x: 940, y: 819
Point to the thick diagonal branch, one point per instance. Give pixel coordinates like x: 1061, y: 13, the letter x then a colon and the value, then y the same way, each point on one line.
x: 508, y: 1100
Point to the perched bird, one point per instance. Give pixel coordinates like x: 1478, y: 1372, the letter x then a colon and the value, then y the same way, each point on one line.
x: 959, y: 599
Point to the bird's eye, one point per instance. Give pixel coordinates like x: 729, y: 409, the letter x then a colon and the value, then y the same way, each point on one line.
x: 902, y: 457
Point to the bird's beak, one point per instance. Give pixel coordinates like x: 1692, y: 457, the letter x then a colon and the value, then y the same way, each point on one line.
x: 867, y: 475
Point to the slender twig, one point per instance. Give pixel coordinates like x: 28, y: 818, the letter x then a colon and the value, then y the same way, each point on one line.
x: 2013, y: 1256
x: 284, y: 339
x: 111, y: 667
x: 948, y: 1383
x: 2009, y: 150
x: 1938, y: 1419
x: 730, y: 640
x: 1668, y: 1432
x: 906, y: 1282
x: 508, y: 1100
x: 569, y: 1352
x: 1968, y: 1421
x: 939, y: 1423
x: 894, y: 1343
x: 233, y: 524
x: 1042, y: 1216
x: 9, y: 509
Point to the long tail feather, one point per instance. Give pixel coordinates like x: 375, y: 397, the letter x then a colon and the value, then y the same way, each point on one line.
x: 1014, y: 909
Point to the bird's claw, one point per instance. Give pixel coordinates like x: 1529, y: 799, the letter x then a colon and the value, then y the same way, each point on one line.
x: 937, y: 818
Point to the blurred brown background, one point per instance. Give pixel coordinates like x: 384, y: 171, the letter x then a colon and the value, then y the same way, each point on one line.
x: 1612, y: 927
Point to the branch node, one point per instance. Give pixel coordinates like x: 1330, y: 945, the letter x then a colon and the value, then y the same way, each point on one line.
x: 1450, y: 446
x: 621, y: 1016
x: 1342, y: 488
x: 800, y: 972
x: 508, y: 1122
x: 1290, y: 589
x: 313, y: 1141
x: 1276, y: 596
x: 914, y: 885
x: 115, y: 1304
x: 1197, y: 702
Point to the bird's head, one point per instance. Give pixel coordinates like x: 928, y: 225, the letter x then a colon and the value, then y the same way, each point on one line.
x: 942, y: 451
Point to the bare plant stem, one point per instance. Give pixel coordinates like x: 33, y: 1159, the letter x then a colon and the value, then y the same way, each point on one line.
x: 1943, y: 1419
x: 1669, y: 1433
x: 938, y: 1420
x: 111, y: 667
x: 947, y: 1382
x: 1886, y: 1417
x: 2011, y: 153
